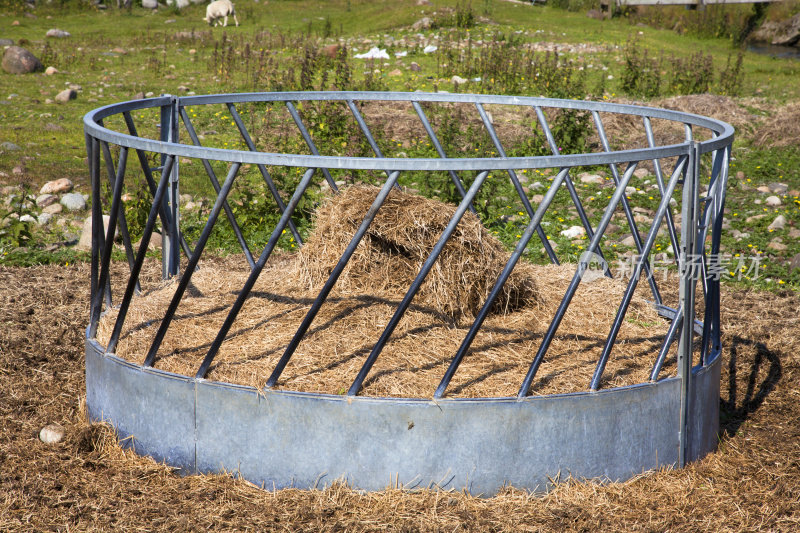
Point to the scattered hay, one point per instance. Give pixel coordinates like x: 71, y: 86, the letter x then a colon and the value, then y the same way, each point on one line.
x: 415, y: 358
x: 397, y: 243
x: 716, y: 106
x: 85, y: 483
x: 365, y: 298
x: 781, y: 130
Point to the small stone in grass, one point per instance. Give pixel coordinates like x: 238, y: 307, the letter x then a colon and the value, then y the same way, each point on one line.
x: 778, y: 223
x: 66, y: 95
x: 773, y: 201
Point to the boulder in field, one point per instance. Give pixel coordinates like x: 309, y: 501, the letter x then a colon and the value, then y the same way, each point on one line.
x: 18, y: 60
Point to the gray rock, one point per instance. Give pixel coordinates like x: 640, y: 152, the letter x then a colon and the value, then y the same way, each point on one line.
x: 422, y: 24
x: 43, y: 200
x: 153, y: 244
x: 53, y: 209
x: 59, y: 186
x: 573, y: 232
x: 17, y: 60
x: 66, y: 95
x: 58, y: 34
x: 73, y: 202
x: 778, y: 188
x: 27, y: 218
x: 594, y: 179
x: 763, y: 188
x: 773, y: 201
x: 51, y: 434
x: 458, y: 79
x: 50, y: 71
x: 414, y: 67
x: 6, y: 42
x: 150, y: 4
x: 794, y: 263
x: 641, y: 173
x: 44, y: 219
x: 85, y: 240
x: 9, y: 147
x: 777, y: 245
x: 778, y: 223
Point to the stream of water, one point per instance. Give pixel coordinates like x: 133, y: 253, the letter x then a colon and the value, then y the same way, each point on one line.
x: 783, y: 52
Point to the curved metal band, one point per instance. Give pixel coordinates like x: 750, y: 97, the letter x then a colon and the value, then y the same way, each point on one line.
x: 723, y: 132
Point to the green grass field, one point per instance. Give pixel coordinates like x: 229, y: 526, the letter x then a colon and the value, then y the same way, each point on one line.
x: 114, y: 55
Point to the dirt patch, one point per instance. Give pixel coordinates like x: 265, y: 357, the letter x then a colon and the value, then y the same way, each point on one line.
x: 88, y: 482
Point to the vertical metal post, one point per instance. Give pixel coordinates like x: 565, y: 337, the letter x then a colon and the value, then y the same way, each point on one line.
x: 93, y: 152
x: 689, y: 270
x: 170, y: 239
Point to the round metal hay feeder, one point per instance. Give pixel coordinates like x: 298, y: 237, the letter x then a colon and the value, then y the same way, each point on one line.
x: 281, y: 438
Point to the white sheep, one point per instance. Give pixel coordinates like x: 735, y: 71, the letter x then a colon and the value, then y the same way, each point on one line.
x: 219, y: 9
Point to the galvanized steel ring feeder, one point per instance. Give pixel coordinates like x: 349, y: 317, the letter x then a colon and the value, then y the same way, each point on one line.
x: 280, y: 438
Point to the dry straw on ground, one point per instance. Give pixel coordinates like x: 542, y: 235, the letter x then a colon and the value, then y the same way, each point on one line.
x: 780, y: 130
x: 87, y: 482
x: 366, y: 296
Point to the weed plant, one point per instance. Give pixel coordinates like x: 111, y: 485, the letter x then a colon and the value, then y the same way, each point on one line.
x: 648, y: 76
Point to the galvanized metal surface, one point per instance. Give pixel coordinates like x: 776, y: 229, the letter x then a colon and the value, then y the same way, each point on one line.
x: 284, y: 439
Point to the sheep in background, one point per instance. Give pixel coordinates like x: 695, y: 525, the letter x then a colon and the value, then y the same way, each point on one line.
x: 219, y: 9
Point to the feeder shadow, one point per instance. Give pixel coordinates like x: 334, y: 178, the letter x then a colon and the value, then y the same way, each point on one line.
x: 735, y: 411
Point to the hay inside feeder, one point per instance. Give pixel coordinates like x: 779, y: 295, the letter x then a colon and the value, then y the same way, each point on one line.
x: 365, y: 298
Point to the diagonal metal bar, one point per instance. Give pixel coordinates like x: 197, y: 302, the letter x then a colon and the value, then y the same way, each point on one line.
x: 105, y: 286
x: 166, y: 219
x: 263, y: 169
x: 212, y: 176
x: 517, y: 185
x: 651, y: 141
x: 713, y: 215
x: 440, y: 150
x: 113, y: 177
x: 634, y: 279
x: 255, y: 273
x: 570, y: 186
x: 191, y: 265
x: 666, y: 344
x: 627, y: 209
x: 105, y: 262
x: 509, y: 267
x: 583, y: 265
x: 137, y: 266
x: 415, y: 285
x: 310, y: 142
x: 365, y: 130
x: 332, y: 279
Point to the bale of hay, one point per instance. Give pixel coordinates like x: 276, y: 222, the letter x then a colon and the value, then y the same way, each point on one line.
x: 397, y: 243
